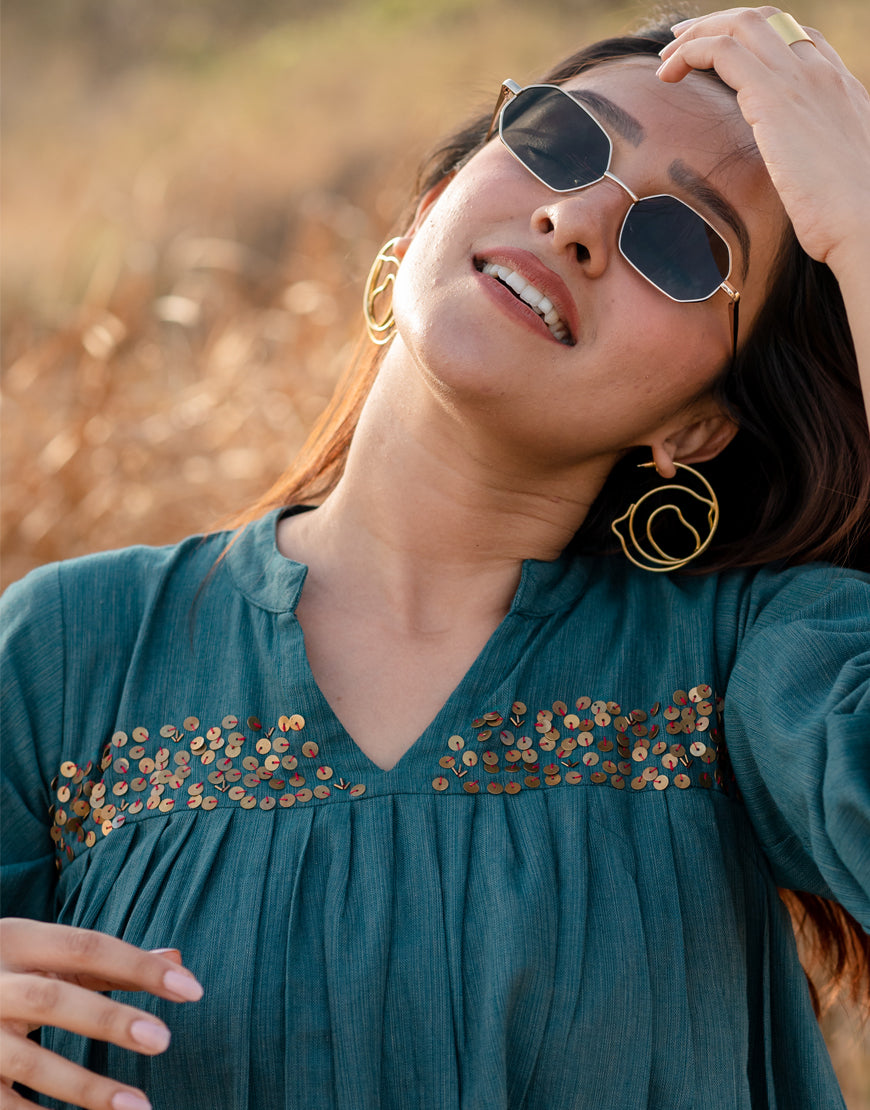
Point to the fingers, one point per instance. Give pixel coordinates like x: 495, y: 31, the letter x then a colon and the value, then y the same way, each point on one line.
x: 22, y: 1061
x: 11, y: 1100
x: 95, y: 983
x: 82, y: 955
x: 746, y: 27
x: 39, y: 1001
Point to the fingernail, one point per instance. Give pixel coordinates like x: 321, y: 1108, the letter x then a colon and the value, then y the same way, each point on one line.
x: 183, y: 984
x: 676, y: 27
x: 661, y: 67
x: 150, y: 1035
x: 128, y: 1100
x: 169, y: 953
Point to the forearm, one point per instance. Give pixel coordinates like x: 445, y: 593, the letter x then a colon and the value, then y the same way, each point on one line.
x: 852, y: 270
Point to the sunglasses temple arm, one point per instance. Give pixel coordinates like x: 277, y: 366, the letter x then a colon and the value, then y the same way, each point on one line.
x: 508, y: 89
x: 734, y: 298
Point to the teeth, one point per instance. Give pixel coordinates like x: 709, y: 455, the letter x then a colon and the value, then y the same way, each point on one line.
x: 533, y: 297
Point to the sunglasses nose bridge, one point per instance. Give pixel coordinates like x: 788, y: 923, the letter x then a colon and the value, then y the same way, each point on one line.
x: 612, y: 177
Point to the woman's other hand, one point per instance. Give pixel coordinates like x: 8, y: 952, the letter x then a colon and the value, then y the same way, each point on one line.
x: 52, y: 975
x: 810, y: 117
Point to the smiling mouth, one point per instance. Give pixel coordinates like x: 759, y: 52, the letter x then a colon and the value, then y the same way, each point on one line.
x: 527, y: 293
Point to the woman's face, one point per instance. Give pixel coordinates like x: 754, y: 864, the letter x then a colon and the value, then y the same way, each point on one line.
x: 633, y: 358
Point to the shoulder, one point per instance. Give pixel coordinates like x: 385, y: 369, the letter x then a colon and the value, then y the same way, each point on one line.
x: 105, y: 577
x: 814, y: 592
x: 102, y: 599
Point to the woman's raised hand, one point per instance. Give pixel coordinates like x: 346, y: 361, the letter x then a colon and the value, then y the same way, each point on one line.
x: 52, y: 975
x: 809, y: 114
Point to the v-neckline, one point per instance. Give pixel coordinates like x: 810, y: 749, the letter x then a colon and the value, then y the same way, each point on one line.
x: 365, y: 761
x: 273, y: 582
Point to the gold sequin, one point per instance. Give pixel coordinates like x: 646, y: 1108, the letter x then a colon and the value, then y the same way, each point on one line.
x: 440, y: 783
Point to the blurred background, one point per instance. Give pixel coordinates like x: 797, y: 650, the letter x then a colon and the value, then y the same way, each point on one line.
x: 192, y: 197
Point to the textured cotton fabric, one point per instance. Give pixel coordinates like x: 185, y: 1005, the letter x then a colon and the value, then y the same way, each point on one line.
x: 570, y: 943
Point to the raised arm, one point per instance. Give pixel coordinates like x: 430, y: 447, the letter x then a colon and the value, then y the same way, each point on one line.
x: 811, y: 121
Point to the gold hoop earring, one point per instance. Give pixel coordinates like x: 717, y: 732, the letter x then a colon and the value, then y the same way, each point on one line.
x: 381, y: 329
x: 659, y: 561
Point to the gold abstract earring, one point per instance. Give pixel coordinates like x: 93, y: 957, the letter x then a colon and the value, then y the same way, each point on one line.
x: 648, y: 555
x: 380, y: 324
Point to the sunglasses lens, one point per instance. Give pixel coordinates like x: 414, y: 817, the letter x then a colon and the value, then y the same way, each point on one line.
x: 554, y: 137
x: 674, y: 248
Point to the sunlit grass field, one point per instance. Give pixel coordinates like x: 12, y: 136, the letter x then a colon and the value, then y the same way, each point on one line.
x: 189, y: 212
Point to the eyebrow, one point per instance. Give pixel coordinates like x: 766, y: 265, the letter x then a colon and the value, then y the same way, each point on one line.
x: 715, y: 202
x: 626, y: 125
x: 632, y: 131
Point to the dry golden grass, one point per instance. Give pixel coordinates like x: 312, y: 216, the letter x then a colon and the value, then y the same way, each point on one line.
x: 185, y: 239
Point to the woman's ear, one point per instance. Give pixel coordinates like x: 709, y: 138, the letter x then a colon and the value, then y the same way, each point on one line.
x: 694, y: 442
x: 401, y: 245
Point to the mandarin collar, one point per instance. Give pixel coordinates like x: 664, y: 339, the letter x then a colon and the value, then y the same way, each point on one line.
x: 273, y: 582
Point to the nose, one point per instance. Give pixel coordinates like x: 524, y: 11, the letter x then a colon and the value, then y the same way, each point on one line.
x: 586, y: 223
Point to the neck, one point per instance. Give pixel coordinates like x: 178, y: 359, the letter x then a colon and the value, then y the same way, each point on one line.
x: 435, y: 513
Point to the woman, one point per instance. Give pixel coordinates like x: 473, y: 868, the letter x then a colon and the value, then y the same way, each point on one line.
x: 478, y: 841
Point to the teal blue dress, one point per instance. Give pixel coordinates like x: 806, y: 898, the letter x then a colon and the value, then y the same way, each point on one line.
x: 563, y: 896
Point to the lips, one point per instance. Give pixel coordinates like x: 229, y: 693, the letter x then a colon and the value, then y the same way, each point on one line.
x: 536, y: 286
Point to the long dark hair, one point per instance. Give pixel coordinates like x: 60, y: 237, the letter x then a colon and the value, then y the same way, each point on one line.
x: 793, y: 486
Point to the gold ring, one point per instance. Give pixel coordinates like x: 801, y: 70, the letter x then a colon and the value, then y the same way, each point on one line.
x: 788, y: 28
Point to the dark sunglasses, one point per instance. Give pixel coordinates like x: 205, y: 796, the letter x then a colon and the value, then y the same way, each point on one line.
x: 662, y: 237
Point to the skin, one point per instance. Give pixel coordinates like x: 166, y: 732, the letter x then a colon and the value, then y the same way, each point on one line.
x: 468, y: 460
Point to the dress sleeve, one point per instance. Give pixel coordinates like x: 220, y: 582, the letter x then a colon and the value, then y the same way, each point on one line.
x: 797, y: 727
x: 32, y: 674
